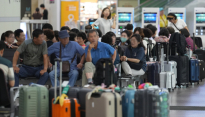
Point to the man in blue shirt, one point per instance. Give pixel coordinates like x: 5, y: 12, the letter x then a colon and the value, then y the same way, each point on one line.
x: 68, y: 51
x: 95, y: 51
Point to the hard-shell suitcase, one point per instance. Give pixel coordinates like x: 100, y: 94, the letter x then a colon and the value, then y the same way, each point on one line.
x: 70, y: 107
x: 72, y: 93
x: 33, y: 101
x: 128, y: 103
x: 166, y: 77
x: 202, y: 69
x: 153, y: 70
x: 81, y: 98
x: 151, y: 103
x: 194, y: 71
x: 104, y: 104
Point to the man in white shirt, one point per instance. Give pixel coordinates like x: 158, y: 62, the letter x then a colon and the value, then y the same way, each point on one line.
x: 177, y: 24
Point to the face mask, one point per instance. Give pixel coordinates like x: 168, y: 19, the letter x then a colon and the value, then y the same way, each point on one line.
x: 123, y: 39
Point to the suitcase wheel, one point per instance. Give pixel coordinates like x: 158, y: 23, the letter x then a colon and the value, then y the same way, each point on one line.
x: 198, y: 83
x: 187, y: 85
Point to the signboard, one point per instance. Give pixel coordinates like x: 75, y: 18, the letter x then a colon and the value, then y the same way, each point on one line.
x: 69, y: 13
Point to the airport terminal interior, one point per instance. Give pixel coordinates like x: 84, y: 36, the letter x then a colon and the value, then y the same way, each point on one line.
x: 102, y: 58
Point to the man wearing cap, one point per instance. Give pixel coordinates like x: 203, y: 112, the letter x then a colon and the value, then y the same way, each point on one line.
x: 68, y: 51
x: 35, y: 58
x: 163, y: 19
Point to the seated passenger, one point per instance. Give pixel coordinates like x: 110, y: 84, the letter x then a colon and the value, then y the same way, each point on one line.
x: 73, y: 36
x: 129, y: 27
x: 68, y: 53
x: 20, y: 37
x: 124, y: 40
x: 95, y: 51
x: 65, y: 28
x: 171, y: 30
x: 49, y: 35
x: 6, y: 66
x: 189, y: 40
x: 108, y: 39
x: 47, y: 26
x: 99, y: 33
x: 55, y: 39
x: 153, y: 29
x: 35, y: 59
x: 75, y: 30
x: 163, y: 35
x: 9, y: 39
x: 134, y: 61
x: 81, y: 38
x: 147, y: 35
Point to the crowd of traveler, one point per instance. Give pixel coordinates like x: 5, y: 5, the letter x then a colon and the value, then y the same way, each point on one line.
x: 81, y: 49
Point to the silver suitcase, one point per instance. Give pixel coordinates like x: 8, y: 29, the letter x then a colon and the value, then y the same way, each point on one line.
x: 171, y: 66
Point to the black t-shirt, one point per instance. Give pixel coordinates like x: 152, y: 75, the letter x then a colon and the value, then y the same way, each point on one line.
x: 45, y: 14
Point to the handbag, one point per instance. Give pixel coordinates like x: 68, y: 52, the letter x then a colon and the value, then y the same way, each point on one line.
x: 66, y: 64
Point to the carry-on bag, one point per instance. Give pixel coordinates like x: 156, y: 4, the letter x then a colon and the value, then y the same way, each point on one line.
x: 128, y: 103
x: 166, y: 77
x: 153, y: 70
x: 33, y: 101
x: 62, y: 106
x: 202, y: 69
x: 151, y: 103
x: 103, y: 104
x: 194, y: 71
x: 182, y: 67
x: 72, y: 93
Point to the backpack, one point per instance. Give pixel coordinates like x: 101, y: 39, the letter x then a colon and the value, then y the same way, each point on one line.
x: 104, y: 72
x: 180, y: 40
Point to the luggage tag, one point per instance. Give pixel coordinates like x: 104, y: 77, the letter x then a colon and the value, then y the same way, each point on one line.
x: 65, y: 89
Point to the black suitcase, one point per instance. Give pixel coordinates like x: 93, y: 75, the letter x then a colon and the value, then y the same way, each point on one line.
x: 182, y: 69
x: 81, y: 98
x: 202, y: 69
x: 72, y: 93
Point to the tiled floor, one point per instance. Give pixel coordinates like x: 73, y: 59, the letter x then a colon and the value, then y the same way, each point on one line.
x: 191, y: 98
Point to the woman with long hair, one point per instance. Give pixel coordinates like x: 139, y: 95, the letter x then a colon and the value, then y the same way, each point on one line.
x: 105, y: 23
x: 134, y: 60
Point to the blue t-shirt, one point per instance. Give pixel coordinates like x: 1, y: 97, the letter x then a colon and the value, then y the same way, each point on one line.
x: 67, y: 52
x: 137, y: 53
x: 103, y: 51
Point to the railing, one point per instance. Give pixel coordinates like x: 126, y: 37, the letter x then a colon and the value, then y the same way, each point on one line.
x: 29, y: 25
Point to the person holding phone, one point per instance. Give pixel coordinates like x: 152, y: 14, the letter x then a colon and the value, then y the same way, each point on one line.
x: 105, y: 23
x: 177, y: 24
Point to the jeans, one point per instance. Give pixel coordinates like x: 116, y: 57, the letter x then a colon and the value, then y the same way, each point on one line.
x: 28, y: 71
x: 73, y: 76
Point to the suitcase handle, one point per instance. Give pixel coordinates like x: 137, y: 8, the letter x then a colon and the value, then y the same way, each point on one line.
x: 56, y: 69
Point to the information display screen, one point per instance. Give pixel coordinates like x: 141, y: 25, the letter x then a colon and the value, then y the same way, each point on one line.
x: 179, y: 15
x: 150, y: 17
x: 200, y: 17
x: 124, y: 17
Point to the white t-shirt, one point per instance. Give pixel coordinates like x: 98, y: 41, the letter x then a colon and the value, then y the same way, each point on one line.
x: 180, y: 25
x: 104, y: 25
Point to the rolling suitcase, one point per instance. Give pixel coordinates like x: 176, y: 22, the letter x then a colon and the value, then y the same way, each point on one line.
x: 153, y: 70
x: 166, y: 77
x: 72, y: 93
x: 70, y: 107
x: 194, y: 71
x: 151, y: 103
x: 128, y: 103
x: 33, y: 101
x: 81, y: 98
x: 103, y: 104
x: 182, y: 68
x: 202, y: 69
x: 170, y: 66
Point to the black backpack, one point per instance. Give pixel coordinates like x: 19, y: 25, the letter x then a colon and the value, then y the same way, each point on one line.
x: 105, y: 72
x: 180, y: 40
